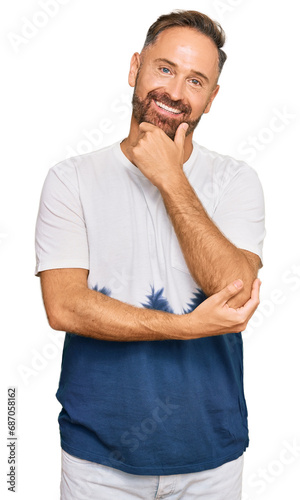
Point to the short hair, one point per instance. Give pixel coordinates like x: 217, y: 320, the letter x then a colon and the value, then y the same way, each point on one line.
x: 190, y: 19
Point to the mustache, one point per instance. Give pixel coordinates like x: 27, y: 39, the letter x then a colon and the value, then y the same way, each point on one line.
x: 165, y: 99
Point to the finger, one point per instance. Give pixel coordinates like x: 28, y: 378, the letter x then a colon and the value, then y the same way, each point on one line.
x: 180, y: 135
x: 230, y: 291
x: 255, y: 289
x: 145, y: 127
x: 253, y: 302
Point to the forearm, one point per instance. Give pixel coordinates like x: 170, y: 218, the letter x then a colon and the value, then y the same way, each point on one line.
x: 71, y: 306
x: 211, y: 258
x: 93, y: 314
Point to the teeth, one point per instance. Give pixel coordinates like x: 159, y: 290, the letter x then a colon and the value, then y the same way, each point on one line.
x: 163, y: 106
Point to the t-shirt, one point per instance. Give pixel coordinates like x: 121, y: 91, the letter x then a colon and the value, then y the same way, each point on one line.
x: 160, y: 407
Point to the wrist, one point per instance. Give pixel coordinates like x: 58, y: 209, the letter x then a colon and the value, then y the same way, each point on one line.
x: 172, y: 182
x: 188, y: 328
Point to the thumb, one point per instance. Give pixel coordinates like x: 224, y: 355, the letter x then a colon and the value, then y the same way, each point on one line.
x: 230, y: 290
x: 180, y: 135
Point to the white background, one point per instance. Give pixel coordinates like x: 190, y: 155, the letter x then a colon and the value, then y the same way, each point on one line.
x: 65, y: 92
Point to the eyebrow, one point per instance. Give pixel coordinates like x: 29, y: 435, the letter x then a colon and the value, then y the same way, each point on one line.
x: 198, y: 73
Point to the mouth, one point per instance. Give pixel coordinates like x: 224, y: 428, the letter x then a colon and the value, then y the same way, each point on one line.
x: 168, y: 109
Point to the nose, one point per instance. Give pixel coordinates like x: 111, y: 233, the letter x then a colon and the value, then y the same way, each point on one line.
x: 175, y: 88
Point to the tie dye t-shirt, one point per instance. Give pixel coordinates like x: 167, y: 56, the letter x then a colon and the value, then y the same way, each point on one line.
x: 150, y: 408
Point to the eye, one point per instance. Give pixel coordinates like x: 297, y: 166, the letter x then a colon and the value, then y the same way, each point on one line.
x: 165, y: 70
x: 196, y: 82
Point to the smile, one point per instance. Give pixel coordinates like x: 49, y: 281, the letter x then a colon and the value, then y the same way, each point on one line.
x: 167, y: 108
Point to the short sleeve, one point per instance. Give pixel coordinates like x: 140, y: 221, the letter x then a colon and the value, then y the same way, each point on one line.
x: 240, y: 211
x: 61, y: 237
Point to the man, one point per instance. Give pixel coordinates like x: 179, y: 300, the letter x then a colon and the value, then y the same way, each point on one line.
x: 131, y: 240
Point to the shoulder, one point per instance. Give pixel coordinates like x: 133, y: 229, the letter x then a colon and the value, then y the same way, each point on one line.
x: 224, y: 168
x: 84, y: 160
x: 72, y: 169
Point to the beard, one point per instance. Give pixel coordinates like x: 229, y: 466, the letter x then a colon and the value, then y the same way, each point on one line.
x: 143, y: 112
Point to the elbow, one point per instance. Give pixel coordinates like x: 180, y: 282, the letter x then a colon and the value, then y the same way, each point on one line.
x: 56, y: 325
x: 55, y: 319
x: 247, y: 272
x: 241, y: 298
x: 244, y: 295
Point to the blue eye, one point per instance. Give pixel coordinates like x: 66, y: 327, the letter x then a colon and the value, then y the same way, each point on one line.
x: 165, y: 70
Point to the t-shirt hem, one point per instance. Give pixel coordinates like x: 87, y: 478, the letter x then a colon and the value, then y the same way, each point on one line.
x: 45, y: 266
x: 152, y: 471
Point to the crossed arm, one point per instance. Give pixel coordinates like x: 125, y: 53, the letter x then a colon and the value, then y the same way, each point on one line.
x: 213, y: 262
x: 212, y: 259
x: 71, y: 306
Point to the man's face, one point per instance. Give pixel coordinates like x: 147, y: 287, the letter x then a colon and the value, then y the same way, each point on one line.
x: 174, y: 80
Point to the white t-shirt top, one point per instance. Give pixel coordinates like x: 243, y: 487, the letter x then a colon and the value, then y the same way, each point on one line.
x: 99, y: 212
x: 90, y: 202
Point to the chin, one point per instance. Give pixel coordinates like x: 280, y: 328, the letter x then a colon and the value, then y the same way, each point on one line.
x: 163, y: 124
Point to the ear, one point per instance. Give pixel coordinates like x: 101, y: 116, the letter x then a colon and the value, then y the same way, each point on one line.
x: 212, y: 96
x: 134, y: 67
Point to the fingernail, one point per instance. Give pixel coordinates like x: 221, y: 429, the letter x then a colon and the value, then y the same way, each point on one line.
x: 238, y: 283
x: 185, y: 126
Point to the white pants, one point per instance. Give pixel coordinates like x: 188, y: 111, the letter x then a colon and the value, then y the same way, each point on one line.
x: 83, y: 480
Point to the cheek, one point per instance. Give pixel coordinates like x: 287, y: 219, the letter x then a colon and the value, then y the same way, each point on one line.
x: 199, y: 102
x: 198, y: 106
x: 142, y: 87
x: 149, y: 81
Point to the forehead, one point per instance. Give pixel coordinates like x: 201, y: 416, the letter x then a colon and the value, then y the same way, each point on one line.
x: 186, y: 47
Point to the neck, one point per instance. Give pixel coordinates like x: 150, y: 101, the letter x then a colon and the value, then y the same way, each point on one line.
x: 132, y: 139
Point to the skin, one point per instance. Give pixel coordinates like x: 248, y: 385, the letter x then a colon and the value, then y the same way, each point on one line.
x: 179, y: 70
